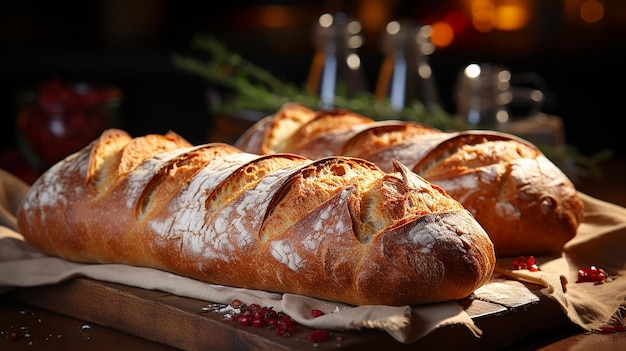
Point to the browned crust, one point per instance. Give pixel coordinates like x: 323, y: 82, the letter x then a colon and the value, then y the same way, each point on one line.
x: 526, y: 204
x: 337, y: 228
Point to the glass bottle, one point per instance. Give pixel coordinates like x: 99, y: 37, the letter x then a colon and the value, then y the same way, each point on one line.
x: 406, y: 75
x: 336, y: 67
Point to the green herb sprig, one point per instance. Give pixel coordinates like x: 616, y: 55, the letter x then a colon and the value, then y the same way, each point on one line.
x: 254, y: 88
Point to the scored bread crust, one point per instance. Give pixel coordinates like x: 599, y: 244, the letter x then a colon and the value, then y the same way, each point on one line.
x: 522, y: 199
x: 336, y: 228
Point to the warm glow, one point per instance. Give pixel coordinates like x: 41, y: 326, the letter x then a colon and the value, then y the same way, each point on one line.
x: 275, y: 16
x: 481, y: 5
x: 484, y: 20
x: 442, y: 34
x: 571, y: 10
x: 374, y: 15
x: 483, y: 15
x: 502, y: 15
x: 457, y: 21
x: 511, y: 17
x: 591, y: 11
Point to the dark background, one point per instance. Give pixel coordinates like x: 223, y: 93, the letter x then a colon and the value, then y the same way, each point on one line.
x: 130, y: 43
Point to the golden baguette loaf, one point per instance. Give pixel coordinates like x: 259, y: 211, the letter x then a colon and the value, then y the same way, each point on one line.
x: 523, y: 201
x: 337, y: 228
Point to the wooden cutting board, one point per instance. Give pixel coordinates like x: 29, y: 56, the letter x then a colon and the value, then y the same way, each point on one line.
x: 504, y: 310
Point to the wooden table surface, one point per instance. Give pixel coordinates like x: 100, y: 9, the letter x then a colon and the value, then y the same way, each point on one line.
x: 535, y: 326
x: 52, y: 331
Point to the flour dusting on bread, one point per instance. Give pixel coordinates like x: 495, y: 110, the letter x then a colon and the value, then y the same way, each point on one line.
x: 337, y: 228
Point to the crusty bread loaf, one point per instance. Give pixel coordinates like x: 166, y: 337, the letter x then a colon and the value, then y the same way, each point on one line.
x: 337, y: 228
x: 524, y: 202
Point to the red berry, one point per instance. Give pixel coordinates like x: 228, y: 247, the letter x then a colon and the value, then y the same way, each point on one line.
x: 285, y: 320
x: 582, y: 275
x: 522, y: 262
x: 318, y: 335
x: 258, y: 316
x: 257, y: 322
x: 316, y: 313
x: 607, y: 329
x: 17, y: 333
x: 246, y: 312
x: 591, y: 274
x: 270, y: 313
x: 518, y: 262
x: 244, y: 321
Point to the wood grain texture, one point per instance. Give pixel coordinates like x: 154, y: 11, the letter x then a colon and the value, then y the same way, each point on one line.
x: 181, y: 323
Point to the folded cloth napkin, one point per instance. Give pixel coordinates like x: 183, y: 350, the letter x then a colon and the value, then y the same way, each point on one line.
x: 12, y: 190
x: 601, y: 241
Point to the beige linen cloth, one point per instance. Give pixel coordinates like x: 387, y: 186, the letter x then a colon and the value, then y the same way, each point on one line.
x: 601, y: 241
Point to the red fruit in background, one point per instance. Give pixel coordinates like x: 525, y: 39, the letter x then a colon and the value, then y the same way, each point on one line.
x: 57, y: 119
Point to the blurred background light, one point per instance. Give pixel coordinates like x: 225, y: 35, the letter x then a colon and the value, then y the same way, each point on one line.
x: 512, y: 15
x: 442, y: 34
x: 591, y: 11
